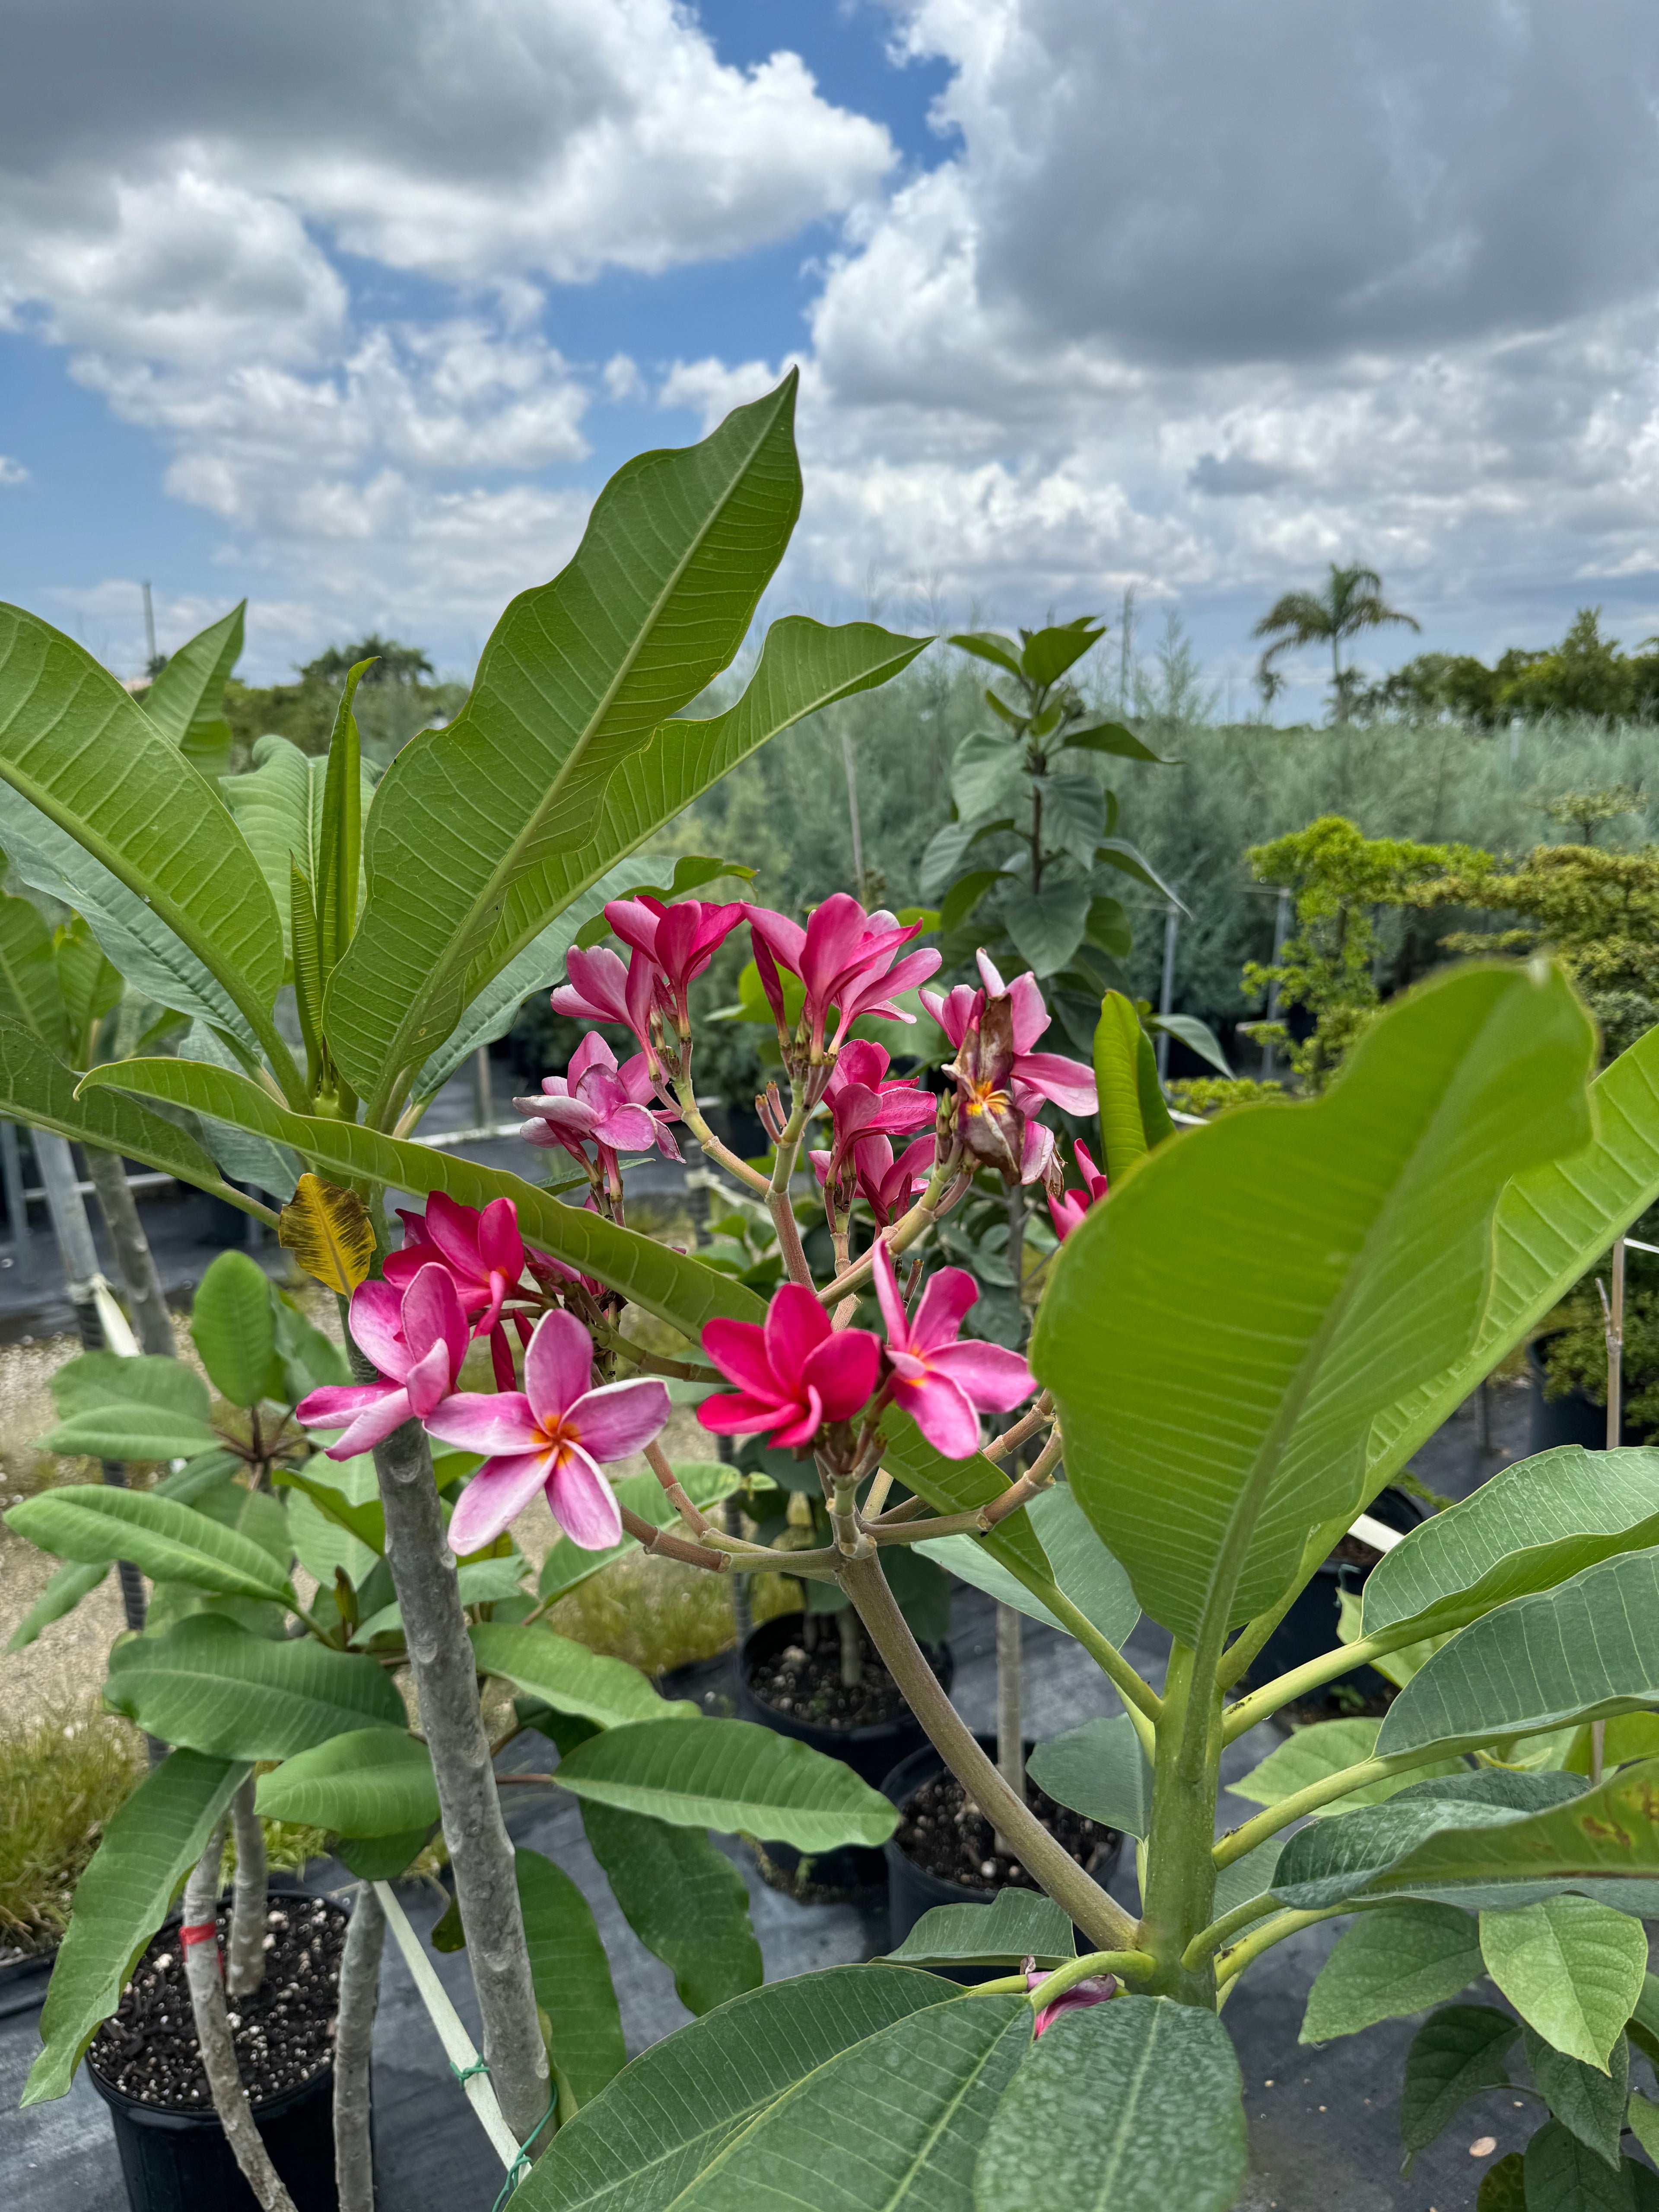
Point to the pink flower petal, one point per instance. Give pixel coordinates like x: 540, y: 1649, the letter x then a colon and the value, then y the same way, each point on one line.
x: 948, y: 1296
x: 795, y: 1322
x: 990, y: 976
x: 495, y: 1496
x: 993, y: 1377
x: 843, y: 1370
x: 427, y: 1380
x: 1037, y: 1149
x: 1067, y: 1082
x: 592, y: 1055
x: 784, y: 939
x: 478, y: 1422
x: 737, y: 1348
x: 620, y: 1418
x: 887, y: 1295
x: 582, y: 1501
x: 598, y: 977
x: 956, y: 1011
x: 336, y: 1403
x: 377, y: 1327
x: 627, y: 1129
x: 834, y: 932
x: 372, y: 1427
x: 432, y: 1316
x: 635, y: 923
x: 453, y: 1228
x: 736, y: 1413
x: 943, y: 1414
x: 500, y: 1245
x: 862, y: 1061
x: 558, y: 1366
x: 803, y: 1430
x: 1029, y: 1016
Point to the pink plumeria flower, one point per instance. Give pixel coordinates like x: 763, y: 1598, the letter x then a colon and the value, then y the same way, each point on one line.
x: 793, y: 1372
x: 943, y: 1384
x: 885, y: 1185
x: 417, y: 1338
x: 1070, y: 1208
x: 482, y: 1252
x: 845, y: 958
x: 553, y: 1435
x: 601, y: 989
x: 596, y: 1102
x: 1094, y: 1991
x: 862, y: 1104
x: 1067, y: 1083
x: 680, y: 939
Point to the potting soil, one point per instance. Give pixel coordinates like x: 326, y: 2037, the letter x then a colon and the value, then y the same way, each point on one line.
x: 944, y: 1832
x: 807, y: 1686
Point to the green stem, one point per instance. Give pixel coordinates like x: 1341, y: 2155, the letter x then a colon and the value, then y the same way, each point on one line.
x: 1232, y: 1963
x: 1122, y: 1963
x: 1284, y: 1689
x: 1180, y: 1891
x: 1237, y: 1841
x: 1255, y: 1633
x: 778, y: 1203
x: 1215, y: 1935
x: 1140, y: 1700
x: 692, y: 1117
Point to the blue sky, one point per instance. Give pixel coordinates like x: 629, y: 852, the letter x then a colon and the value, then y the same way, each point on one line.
x: 1086, y: 294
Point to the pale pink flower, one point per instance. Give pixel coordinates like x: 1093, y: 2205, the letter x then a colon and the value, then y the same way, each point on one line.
x: 417, y: 1338
x: 595, y: 1102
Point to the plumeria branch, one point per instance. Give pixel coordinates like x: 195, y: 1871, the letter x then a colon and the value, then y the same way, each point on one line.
x: 1023, y: 1430
x: 653, y: 1363
x: 691, y: 1114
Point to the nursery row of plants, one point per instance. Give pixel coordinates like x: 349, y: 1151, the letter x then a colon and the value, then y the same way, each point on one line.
x: 1367, y: 1254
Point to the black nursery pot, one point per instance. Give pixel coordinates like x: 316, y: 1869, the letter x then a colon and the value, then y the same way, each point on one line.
x: 912, y: 1890
x: 1571, y: 1419
x: 870, y: 1752
x: 179, y: 2161
x: 1308, y: 1629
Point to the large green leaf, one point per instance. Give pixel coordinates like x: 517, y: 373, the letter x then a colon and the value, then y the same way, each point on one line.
x: 1572, y: 1968
x: 571, y: 1976
x: 1083, y: 1569
x: 1552, y: 1222
x: 1473, y: 1841
x: 478, y: 1582
x: 233, y: 1324
x: 368, y: 1782
x: 243, y: 1159
x: 576, y: 676
x: 1205, y: 1438
x: 1017, y: 1923
x: 1531, y: 1526
x: 120, y: 1901
x: 892, y: 2124
x: 278, y: 806
x: 163, y: 1539
x: 37, y: 1087
x: 1100, y: 1770
x: 638, y: 2147
x: 1313, y: 1754
x: 1583, y: 1651
x: 75, y: 745
x: 1567, y: 2176
x: 1132, y: 2106
x: 569, y: 1677
x: 1454, y: 2055
x: 96, y: 1380
x: 1390, y: 1963
x: 210, y: 1686
x: 730, y: 1775
x: 130, y: 1430
x: 29, y: 991
x: 1590, y: 2100
x: 684, y: 1900
x: 62, y: 1594
x: 185, y: 700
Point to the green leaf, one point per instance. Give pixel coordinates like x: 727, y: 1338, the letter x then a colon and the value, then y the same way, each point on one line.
x: 210, y: 1686
x: 30, y: 994
x: 186, y: 699
x: 1589, y: 2100
x: 252, y: 1513
x: 1583, y: 1651
x: 1572, y: 1968
x: 1018, y: 1924
x: 1504, y: 2186
x: 987, y: 775
x: 243, y: 1159
x: 1493, y: 1839
x: 322, y: 1542
x: 345, y: 1492
x: 641, y: 2143
x: 1118, y: 1039
x: 1532, y: 1526
x: 730, y: 1775
x: 164, y: 1539
x: 946, y: 850
x: 1100, y: 1770
x: 572, y: 1980
x: 1073, y: 814
x: 1049, y: 652
x: 1563, y: 2174
x: 1643, y: 2115
x: 62, y: 1594
x: 1048, y: 926
x: 1391, y: 1963
x: 87, y: 981
x: 478, y: 1582
x: 1313, y: 1754
x: 577, y: 676
x: 572, y: 1679
x: 382, y: 1858
x: 964, y: 895
x: 1117, y: 853
x: 1454, y: 2055
x: 368, y: 1782
x: 148, y: 1847
x: 1248, y: 1879
x: 1082, y: 1568
x: 1307, y: 1222
x: 76, y: 745
x: 339, y: 871
x: 684, y: 1900
x: 235, y: 1329
x: 37, y: 1087
x: 1135, y: 2106
x: 1198, y: 1036
x: 95, y: 1380
x: 990, y: 645
x: 132, y: 1430
x: 1112, y: 737
x: 278, y: 807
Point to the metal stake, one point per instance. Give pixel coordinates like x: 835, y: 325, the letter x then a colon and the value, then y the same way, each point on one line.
x: 17, y: 1206
x: 1613, y: 1310
x: 1166, y: 997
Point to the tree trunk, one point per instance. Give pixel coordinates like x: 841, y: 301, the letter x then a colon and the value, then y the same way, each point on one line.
x: 354, y: 2039
x: 152, y: 1324
x: 1011, y: 1726
x: 244, y: 1963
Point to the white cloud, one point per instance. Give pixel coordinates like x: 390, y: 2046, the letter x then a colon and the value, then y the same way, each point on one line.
x: 11, y: 471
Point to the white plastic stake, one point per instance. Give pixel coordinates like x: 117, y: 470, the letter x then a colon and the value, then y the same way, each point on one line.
x: 457, y: 2042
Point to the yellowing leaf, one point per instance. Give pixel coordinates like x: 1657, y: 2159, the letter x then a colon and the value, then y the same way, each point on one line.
x: 329, y: 1232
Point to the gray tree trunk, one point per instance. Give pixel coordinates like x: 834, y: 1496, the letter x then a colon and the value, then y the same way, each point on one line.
x: 152, y: 1324
x: 354, y: 2039
x: 244, y: 1963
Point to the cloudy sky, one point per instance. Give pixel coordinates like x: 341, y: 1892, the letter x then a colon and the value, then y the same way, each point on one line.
x: 352, y: 305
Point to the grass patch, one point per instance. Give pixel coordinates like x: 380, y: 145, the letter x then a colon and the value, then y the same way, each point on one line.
x: 61, y: 1778
x: 659, y: 1614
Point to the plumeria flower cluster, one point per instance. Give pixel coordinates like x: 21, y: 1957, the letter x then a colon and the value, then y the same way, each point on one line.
x: 1001, y: 1084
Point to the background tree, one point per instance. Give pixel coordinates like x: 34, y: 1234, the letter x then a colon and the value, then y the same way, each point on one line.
x: 1352, y: 601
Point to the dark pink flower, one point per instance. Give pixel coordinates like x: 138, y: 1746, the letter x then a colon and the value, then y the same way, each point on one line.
x: 845, y: 958
x: 552, y: 1435
x: 862, y: 1105
x: 482, y: 1252
x: 944, y: 1384
x: 1092, y: 1991
x: 885, y: 1185
x: 680, y: 939
x: 1068, y: 1082
x: 601, y: 989
x: 595, y: 1102
x: 793, y: 1372
x: 417, y: 1338
x: 1066, y: 1211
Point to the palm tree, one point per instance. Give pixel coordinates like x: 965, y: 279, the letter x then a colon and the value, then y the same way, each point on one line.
x: 1351, y: 601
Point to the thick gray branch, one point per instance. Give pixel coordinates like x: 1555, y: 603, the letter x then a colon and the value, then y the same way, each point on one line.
x: 354, y: 2040
x: 451, y: 1720
x: 152, y: 1324
x: 207, y: 2004
x: 245, y: 1961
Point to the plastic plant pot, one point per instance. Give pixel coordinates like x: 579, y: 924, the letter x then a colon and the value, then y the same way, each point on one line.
x: 1571, y: 1419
